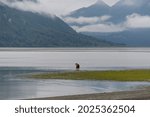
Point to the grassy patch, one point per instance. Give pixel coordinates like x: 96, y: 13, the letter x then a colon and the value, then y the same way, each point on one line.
x: 123, y: 75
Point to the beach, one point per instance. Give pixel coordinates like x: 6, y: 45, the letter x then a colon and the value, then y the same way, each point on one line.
x: 139, y: 94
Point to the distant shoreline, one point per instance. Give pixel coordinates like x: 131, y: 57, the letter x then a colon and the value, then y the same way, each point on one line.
x: 139, y: 94
x: 74, y: 49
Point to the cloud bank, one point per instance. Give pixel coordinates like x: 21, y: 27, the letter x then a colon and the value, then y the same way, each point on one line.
x: 87, y: 20
x: 99, y: 28
x: 138, y: 21
x: 132, y: 21
x: 57, y: 7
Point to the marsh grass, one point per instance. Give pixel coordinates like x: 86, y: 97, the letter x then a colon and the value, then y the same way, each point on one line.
x: 122, y: 75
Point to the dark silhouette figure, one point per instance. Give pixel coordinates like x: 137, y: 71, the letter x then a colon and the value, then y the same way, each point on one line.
x: 77, y: 66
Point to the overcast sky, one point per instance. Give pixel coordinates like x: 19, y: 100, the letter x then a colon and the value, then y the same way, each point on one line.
x: 57, y: 7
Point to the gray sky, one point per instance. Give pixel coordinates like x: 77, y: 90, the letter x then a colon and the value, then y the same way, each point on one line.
x: 58, y: 7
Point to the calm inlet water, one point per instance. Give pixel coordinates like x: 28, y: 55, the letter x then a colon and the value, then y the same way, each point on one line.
x: 16, y: 63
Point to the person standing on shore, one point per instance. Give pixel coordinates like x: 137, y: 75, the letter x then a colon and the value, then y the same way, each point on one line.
x: 77, y: 66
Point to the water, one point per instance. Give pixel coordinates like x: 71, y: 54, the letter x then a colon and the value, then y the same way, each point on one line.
x: 15, y: 63
x: 99, y: 58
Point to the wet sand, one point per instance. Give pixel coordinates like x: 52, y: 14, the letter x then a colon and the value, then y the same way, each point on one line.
x: 140, y: 94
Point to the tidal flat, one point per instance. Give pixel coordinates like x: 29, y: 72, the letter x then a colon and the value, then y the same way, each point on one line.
x: 113, y: 75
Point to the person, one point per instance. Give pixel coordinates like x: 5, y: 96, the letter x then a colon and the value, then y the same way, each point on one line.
x: 77, y: 66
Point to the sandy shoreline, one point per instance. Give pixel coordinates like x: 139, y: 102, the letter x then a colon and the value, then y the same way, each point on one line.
x: 140, y: 94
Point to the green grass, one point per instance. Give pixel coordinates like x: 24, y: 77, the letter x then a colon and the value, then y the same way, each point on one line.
x: 122, y: 75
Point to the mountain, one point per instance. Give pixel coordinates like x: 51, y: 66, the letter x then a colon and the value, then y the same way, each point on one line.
x: 121, y: 15
x: 26, y: 29
x: 132, y: 38
x: 97, y: 9
x: 122, y: 9
x: 118, y: 12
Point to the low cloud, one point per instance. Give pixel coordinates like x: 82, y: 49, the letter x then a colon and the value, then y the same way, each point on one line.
x: 100, y: 28
x: 56, y: 7
x: 138, y: 21
x: 87, y: 20
x: 63, y: 7
x: 133, y: 21
x: 26, y: 5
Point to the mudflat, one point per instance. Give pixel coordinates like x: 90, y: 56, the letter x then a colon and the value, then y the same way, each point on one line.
x: 119, y: 75
x: 139, y: 94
